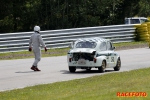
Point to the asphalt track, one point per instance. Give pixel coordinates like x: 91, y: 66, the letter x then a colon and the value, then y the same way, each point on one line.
x: 16, y: 74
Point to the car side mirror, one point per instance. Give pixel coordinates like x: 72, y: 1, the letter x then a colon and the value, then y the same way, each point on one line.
x: 71, y: 45
x: 114, y: 48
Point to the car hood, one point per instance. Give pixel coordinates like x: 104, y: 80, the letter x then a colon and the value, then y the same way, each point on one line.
x: 83, y: 50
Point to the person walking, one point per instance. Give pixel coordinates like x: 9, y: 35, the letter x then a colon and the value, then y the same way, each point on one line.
x: 35, y: 43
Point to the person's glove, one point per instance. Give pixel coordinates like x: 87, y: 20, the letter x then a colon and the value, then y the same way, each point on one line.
x: 45, y: 49
x: 30, y: 49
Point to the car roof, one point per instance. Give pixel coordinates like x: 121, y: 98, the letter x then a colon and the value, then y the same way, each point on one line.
x: 94, y: 39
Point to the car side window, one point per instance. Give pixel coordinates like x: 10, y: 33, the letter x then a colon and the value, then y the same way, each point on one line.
x: 109, y: 46
x: 135, y: 21
x: 103, y: 46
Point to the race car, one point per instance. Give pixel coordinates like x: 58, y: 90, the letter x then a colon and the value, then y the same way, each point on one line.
x: 88, y: 53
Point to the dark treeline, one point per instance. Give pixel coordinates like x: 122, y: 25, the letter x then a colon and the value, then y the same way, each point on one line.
x: 23, y: 15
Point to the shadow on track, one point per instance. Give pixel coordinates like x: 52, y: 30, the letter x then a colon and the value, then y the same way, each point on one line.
x: 85, y: 71
x: 26, y: 71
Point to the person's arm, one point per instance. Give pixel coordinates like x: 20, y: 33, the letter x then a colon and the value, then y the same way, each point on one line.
x: 30, y: 44
x: 42, y: 42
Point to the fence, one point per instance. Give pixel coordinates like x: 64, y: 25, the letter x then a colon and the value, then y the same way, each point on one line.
x: 14, y: 42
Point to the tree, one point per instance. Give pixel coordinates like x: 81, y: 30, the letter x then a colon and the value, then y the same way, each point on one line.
x: 144, y: 6
x: 20, y: 16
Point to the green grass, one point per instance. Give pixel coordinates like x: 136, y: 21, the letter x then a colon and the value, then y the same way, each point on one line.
x: 58, y: 52
x: 100, y: 87
x: 130, y: 43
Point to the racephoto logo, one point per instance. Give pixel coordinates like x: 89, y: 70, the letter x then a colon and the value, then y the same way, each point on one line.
x: 131, y: 94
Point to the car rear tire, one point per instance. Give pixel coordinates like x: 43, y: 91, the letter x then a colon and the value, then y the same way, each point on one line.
x: 103, y: 66
x: 118, y: 65
x: 72, y: 69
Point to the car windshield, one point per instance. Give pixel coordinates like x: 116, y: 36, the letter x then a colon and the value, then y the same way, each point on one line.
x: 86, y: 44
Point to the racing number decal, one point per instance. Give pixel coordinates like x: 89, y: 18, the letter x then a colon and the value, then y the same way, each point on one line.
x: 112, y: 59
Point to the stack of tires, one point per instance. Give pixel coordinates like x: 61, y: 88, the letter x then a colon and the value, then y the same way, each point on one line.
x: 142, y: 32
x: 148, y: 28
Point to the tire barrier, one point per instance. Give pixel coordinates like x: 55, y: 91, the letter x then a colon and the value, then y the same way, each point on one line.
x: 148, y: 28
x: 143, y: 32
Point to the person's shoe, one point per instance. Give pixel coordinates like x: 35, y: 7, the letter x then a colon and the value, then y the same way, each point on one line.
x: 33, y: 68
x: 36, y: 69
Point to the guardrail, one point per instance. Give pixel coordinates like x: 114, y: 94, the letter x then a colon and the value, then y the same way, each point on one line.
x: 14, y: 42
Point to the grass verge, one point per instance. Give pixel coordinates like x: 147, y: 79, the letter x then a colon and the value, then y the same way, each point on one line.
x: 63, y: 51
x: 103, y: 87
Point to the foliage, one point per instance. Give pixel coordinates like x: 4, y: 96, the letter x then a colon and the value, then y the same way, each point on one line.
x: 21, y: 16
x: 145, y: 8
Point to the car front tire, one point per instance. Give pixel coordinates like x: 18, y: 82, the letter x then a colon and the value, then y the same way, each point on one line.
x: 72, y: 69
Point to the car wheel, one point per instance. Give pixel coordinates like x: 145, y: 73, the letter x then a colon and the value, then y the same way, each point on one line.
x: 118, y: 65
x: 72, y: 69
x: 103, y: 66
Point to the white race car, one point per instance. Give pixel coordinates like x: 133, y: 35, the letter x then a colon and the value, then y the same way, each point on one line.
x: 87, y: 53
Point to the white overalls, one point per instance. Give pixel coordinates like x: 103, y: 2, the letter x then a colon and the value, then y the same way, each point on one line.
x: 35, y: 42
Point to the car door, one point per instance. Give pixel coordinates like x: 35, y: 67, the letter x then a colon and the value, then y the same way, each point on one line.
x: 111, y: 54
x: 103, y: 52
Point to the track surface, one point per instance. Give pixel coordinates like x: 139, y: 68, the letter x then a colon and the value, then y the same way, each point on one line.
x: 16, y: 74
